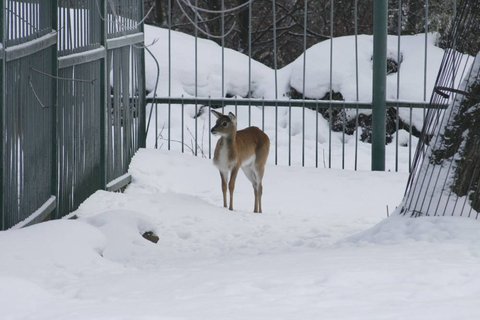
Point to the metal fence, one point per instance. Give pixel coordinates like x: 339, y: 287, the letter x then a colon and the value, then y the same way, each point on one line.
x: 169, y: 109
x: 71, y: 118
x: 446, y: 173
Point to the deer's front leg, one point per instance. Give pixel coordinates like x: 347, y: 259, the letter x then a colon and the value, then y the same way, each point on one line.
x: 231, y: 185
x: 224, y: 176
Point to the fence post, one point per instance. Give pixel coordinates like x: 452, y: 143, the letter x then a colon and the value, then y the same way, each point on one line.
x: 2, y: 103
x: 104, y: 113
x: 379, y: 83
x: 55, y: 145
x: 142, y: 130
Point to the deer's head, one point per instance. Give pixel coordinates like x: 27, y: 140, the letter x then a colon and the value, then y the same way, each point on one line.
x: 226, y: 125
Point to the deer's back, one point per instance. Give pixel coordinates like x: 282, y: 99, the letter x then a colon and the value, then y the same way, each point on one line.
x: 251, y: 142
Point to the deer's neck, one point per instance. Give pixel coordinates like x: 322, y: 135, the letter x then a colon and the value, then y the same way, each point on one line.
x: 230, y: 143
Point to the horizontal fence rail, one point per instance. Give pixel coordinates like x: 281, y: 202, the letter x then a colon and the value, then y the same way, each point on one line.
x: 177, y: 133
x: 219, y: 102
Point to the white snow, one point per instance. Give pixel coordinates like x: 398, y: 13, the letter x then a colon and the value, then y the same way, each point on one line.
x: 322, y: 249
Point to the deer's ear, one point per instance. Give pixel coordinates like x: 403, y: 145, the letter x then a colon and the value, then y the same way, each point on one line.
x: 216, y: 114
x: 232, y: 116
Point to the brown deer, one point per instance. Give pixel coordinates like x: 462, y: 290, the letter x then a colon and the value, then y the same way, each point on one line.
x: 247, y: 149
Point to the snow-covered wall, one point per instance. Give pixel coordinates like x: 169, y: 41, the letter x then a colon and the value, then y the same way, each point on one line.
x: 414, y: 83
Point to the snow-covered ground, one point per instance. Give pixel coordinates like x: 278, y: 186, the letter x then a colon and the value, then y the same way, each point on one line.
x: 322, y: 249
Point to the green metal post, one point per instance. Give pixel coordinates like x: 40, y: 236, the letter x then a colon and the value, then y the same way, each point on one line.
x: 104, y: 86
x: 2, y: 103
x: 55, y: 139
x: 379, y: 83
x: 142, y: 130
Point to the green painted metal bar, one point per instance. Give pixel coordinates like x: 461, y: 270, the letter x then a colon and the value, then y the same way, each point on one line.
x: 41, y: 214
x: 142, y: 127
x: 286, y: 103
x: 123, y: 41
x: 119, y: 183
x: 81, y: 57
x: 379, y: 83
x: 54, y: 110
x: 29, y: 48
x: 2, y: 116
x: 104, y: 88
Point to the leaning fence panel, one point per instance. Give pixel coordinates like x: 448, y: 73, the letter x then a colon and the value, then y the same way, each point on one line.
x: 28, y: 48
x: 53, y: 111
x: 124, y: 111
x: 79, y: 127
x: 27, y: 135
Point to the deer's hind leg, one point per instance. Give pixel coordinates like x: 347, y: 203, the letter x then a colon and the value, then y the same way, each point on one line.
x: 252, y: 176
x: 259, y: 174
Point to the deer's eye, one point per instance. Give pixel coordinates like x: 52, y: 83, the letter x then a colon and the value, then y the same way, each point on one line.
x: 224, y: 123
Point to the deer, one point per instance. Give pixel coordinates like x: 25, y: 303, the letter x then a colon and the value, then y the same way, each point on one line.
x: 246, y: 149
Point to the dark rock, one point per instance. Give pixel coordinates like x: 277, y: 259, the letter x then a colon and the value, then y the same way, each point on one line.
x: 151, y: 236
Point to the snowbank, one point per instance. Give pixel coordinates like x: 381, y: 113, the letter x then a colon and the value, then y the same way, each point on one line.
x: 303, y: 258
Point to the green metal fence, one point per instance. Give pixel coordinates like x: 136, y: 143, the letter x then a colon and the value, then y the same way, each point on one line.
x: 233, y: 23
x: 61, y: 86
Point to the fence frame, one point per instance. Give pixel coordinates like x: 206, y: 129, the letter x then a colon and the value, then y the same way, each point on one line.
x: 378, y: 105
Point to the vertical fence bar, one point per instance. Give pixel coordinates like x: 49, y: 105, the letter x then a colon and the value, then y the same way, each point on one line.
x: 274, y: 11
x: 425, y: 60
x: 2, y: 115
x: 356, y: 82
x: 397, y: 120
x: 344, y: 125
x: 316, y: 133
x: 223, y: 52
x: 289, y: 132
x: 209, y: 136
x: 379, y: 83
x: 141, y: 112
x: 183, y: 126
x: 196, y: 78
x: 104, y: 110
x: 303, y: 75
x: 330, y: 88
x: 330, y: 121
x: 54, y: 115
x: 249, y: 61
x: 169, y: 75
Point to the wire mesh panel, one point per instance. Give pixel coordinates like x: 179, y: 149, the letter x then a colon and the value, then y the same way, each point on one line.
x: 79, y: 135
x: 53, y: 110
x: 27, y: 135
x: 81, y: 22
x: 446, y: 173
x: 124, y: 108
x: 26, y: 20
x: 123, y: 17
